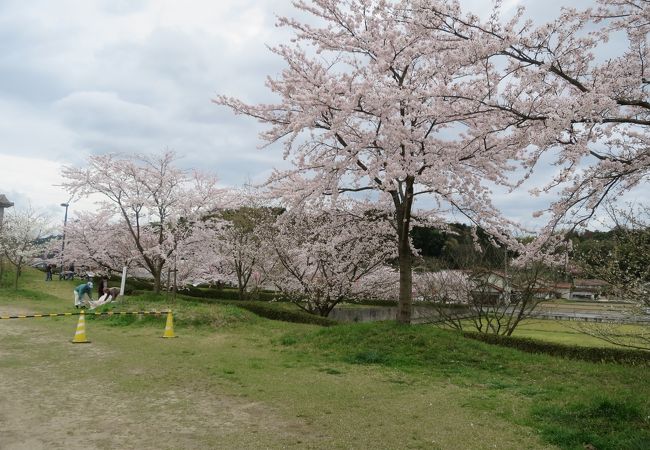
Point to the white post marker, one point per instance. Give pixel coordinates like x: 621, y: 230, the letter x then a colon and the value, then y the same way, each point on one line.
x: 123, y: 281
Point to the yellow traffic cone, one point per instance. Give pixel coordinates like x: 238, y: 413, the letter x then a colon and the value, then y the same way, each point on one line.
x: 80, y: 334
x: 169, y: 326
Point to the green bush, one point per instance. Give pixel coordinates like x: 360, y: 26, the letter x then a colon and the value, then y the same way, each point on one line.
x: 378, y: 302
x: 273, y: 312
x: 596, y: 354
x: 134, y: 284
x: 226, y: 294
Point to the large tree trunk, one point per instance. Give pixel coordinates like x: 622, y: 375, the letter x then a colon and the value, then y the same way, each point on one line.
x: 241, y: 281
x: 156, y: 281
x: 403, y: 201
x: 405, y: 286
x: 16, y: 277
x: 155, y: 266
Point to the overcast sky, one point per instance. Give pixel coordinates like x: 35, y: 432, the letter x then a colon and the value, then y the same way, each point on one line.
x: 80, y: 77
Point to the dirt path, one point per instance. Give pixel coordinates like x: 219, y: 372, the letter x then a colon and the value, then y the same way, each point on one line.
x: 56, y: 395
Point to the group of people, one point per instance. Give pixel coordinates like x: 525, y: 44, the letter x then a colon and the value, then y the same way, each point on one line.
x: 104, y: 294
x: 63, y: 275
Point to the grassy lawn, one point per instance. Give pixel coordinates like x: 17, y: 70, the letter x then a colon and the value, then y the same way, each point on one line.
x: 235, y: 380
x: 565, y: 332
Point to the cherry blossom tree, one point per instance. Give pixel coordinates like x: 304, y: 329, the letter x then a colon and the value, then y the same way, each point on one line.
x: 20, y: 240
x: 238, y: 245
x: 158, y: 205
x: 568, y: 88
x: 324, y: 256
x: 484, y: 300
x: 101, y: 241
x: 623, y: 264
x: 381, y: 284
x: 97, y: 240
x: 373, y: 101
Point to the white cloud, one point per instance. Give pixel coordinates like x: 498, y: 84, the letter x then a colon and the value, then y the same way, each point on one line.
x: 91, y: 110
x: 32, y: 181
x: 138, y: 76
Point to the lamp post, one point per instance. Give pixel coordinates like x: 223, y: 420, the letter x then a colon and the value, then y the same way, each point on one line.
x: 65, y: 222
x: 4, y: 203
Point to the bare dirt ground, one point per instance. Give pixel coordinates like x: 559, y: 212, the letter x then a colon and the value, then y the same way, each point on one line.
x: 56, y: 395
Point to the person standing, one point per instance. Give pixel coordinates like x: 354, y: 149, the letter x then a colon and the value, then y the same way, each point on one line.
x: 48, y: 272
x: 80, y: 291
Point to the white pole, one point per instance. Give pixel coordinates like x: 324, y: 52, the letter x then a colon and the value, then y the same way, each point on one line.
x: 123, y: 280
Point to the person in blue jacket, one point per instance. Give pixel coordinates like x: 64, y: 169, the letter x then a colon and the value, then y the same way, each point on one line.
x: 80, y: 291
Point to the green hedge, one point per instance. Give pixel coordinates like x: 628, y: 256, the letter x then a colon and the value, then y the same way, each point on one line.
x: 226, y: 294
x: 135, y: 284
x: 372, y: 302
x: 273, y: 311
x: 204, y: 291
x: 378, y: 302
x: 594, y: 354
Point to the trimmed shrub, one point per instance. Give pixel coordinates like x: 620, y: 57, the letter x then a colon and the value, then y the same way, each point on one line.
x: 593, y: 354
x: 134, y: 284
x: 272, y: 312
x: 372, y: 302
x: 226, y: 294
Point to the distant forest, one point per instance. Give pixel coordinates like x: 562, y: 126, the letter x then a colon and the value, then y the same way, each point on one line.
x: 455, y: 249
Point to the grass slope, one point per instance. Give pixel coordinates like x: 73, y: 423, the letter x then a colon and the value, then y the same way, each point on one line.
x: 235, y: 380
x: 568, y: 402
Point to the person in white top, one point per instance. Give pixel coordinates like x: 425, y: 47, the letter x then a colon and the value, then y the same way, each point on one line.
x: 110, y: 294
